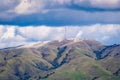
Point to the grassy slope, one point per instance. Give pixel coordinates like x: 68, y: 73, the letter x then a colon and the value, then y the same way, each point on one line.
x: 23, y: 65
x: 81, y: 68
x: 74, y: 62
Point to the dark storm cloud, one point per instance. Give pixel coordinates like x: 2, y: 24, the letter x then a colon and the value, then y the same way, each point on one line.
x: 59, y: 12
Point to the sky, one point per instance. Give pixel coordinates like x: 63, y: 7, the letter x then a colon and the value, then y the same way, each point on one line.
x: 26, y: 21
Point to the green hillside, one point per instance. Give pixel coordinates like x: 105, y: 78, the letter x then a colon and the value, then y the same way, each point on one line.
x: 61, y: 60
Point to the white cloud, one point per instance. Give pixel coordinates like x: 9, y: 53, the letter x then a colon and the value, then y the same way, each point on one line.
x: 103, y: 33
x: 12, y: 10
x: 10, y: 33
x: 107, y: 4
x: 14, y: 36
x: 23, y: 7
x: 35, y: 33
x: 36, y: 6
x: 32, y: 6
x: 2, y: 29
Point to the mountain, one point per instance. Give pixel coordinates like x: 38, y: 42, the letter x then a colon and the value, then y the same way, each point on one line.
x: 73, y: 59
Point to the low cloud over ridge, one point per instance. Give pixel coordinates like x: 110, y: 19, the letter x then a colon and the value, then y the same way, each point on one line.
x: 14, y: 35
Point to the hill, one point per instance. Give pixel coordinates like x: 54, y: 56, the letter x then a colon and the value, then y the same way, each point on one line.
x: 61, y: 60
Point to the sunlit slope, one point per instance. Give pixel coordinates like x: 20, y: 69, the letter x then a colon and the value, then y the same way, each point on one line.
x: 61, y: 60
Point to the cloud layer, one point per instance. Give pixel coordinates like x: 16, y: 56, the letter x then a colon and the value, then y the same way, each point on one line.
x: 59, y: 12
x: 29, y: 6
x: 14, y: 35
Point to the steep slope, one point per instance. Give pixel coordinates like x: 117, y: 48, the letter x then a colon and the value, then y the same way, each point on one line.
x: 61, y: 60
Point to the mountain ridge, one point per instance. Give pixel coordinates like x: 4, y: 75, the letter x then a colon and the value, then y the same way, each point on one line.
x: 73, y: 59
